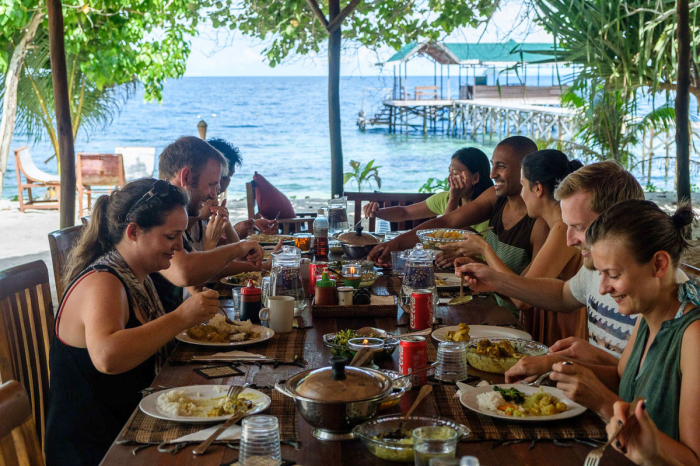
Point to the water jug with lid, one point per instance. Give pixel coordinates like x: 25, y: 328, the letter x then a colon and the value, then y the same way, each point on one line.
x: 419, y: 275
x: 337, y: 215
x: 285, y: 277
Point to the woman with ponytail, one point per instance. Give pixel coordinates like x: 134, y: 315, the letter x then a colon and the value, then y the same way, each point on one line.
x: 637, y: 249
x: 540, y: 174
x: 112, y: 334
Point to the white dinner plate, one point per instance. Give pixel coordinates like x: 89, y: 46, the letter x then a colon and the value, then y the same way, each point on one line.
x: 468, y: 399
x: 149, y: 405
x: 265, y: 334
x: 483, y: 331
x: 451, y: 280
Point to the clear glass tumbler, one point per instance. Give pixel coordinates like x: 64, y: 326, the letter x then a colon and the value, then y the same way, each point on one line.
x: 434, y: 442
x: 465, y: 461
x: 452, y: 362
x: 398, y: 262
x: 260, y: 441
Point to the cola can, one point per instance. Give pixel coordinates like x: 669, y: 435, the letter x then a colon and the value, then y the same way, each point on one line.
x: 421, y: 310
x: 315, y: 269
x: 413, y: 356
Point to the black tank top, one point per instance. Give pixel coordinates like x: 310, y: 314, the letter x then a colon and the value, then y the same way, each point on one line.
x: 87, y: 408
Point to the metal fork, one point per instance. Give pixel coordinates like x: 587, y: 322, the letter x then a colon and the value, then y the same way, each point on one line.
x: 594, y: 456
x: 541, y: 378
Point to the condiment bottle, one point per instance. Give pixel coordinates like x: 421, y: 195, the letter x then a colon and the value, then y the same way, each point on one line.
x: 251, y: 302
x: 321, y: 237
x: 325, y: 291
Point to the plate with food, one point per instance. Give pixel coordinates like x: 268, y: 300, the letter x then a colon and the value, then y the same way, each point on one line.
x: 433, y: 239
x: 478, y: 331
x: 497, y: 355
x: 519, y: 402
x: 270, y: 239
x: 241, y: 279
x: 221, y: 331
x: 202, y: 403
x: 446, y: 281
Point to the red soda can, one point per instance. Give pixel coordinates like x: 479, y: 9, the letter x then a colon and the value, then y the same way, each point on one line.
x: 421, y: 310
x: 315, y: 268
x: 413, y: 356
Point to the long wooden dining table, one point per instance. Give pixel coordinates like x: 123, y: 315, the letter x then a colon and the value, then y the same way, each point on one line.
x: 313, y: 452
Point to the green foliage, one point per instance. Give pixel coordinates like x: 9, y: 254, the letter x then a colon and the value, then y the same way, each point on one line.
x: 694, y: 188
x: 363, y: 174
x: 434, y: 185
x: 651, y: 188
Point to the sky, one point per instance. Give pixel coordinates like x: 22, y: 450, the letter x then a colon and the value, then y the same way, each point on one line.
x: 232, y: 54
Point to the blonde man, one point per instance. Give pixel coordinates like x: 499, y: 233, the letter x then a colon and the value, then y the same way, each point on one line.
x: 584, y: 195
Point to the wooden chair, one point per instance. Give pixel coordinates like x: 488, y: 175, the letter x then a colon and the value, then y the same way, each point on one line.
x: 692, y: 272
x: 139, y: 162
x: 286, y: 225
x: 104, y: 170
x: 388, y: 200
x: 60, y: 243
x: 26, y: 332
x: 35, y: 178
x: 19, y: 444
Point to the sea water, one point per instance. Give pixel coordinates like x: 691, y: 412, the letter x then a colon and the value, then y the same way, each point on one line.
x: 280, y: 125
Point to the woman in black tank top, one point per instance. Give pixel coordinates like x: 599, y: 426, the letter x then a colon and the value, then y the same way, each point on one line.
x: 112, y: 334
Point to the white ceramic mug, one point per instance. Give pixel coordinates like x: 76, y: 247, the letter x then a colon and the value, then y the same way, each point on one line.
x: 280, y: 313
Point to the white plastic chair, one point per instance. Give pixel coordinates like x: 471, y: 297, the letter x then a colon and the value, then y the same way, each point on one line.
x: 139, y: 162
x: 35, y: 178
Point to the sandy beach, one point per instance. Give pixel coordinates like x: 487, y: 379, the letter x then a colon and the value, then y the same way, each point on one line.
x: 23, y: 236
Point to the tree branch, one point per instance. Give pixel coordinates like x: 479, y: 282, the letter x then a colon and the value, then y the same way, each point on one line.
x: 319, y: 14
x: 672, y: 87
x: 338, y: 20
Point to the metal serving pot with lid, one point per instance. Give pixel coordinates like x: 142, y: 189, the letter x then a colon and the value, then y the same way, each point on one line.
x: 356, y: 244
x: 335, y: 399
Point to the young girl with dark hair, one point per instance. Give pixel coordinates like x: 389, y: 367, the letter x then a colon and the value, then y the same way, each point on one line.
x: 540, y: 173
x: 469, y: 177
x: 637, y: 249
x: 112, y: 334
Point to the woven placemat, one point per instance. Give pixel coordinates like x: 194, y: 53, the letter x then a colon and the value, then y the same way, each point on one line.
x: 286, y: 348
x: 142, y: 428
x: 586, y: 426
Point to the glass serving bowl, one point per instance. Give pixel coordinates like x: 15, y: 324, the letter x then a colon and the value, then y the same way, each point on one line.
x: 400, y: 386
x: 499, y: 365
x: 431, y: 241
x: 390, y: 345
x: 399, y: 451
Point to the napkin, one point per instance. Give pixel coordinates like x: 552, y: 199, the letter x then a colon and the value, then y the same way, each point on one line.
x: 232, y: 433
x: 232, y: 355
x: 464, y: 388
x: 382, y: 300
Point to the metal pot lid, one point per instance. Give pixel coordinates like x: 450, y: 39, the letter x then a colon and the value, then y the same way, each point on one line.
x: 358, y: 238
x: 340, y: 384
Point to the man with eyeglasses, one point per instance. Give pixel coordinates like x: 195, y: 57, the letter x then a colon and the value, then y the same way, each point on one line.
x: 195, y: 166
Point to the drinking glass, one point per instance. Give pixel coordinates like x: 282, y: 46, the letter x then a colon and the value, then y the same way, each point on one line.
x: 389, y: 235
x: 452, y: 361
x: 260, y: 441
x: 465, y: 461
x: 303, y: 241
x: 398, y: 261
x: 434, y: 442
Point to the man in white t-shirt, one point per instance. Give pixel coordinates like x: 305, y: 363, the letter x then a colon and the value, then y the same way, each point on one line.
x: 584, y: 195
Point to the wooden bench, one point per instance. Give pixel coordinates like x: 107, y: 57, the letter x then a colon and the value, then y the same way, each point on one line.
x: 428, y: 92
x: 388, y: 200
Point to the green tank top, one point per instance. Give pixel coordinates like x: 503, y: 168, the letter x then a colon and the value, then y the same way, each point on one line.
x: 659, y: 379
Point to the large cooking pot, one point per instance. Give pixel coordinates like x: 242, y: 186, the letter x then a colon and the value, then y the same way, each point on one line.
x: 335, y: 399
x: 357, y: 245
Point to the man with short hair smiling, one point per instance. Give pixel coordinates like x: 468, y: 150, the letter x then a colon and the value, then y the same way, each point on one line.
x: 194, y: 165
x: 584, y: 195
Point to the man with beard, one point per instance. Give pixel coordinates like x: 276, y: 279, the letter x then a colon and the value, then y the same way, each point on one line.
x: 515, y: 237
x: 584, y: 195
x: 194, y: 165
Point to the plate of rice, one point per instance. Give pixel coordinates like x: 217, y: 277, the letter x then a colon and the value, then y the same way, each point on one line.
x: 220, y: 331
x: 202, y: 403
x: 537, y: 404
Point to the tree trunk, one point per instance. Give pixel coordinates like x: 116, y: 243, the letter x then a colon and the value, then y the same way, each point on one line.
x: 62, y: 105
x: 9, y: 105
x: 334, y: 42
x: 683, y: 103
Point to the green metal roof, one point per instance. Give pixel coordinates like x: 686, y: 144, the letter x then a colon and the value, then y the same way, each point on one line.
x: 474, y: 54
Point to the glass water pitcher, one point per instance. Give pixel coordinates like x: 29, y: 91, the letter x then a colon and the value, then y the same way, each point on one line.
x: 285, y: 277
x: 337, y: 215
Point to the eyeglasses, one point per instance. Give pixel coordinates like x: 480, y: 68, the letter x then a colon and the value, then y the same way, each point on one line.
x: 161, y: 188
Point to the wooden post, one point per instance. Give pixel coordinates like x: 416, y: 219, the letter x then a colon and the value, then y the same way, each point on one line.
x: 202, y: 128
x: 683, y: 102
x: 63, y: 124
x: 334, y: 43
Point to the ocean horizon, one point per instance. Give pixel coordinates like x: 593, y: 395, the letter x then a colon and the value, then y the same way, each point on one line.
x: 280, y: 125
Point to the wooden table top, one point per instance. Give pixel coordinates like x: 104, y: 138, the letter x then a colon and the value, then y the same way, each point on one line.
x: 315, y: 452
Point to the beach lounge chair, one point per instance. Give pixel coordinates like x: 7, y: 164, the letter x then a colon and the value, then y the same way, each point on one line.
x: 60, y: 244
x: 104, y: 171
x: 18, y: 438
x: 35, y: 178
x: 388, y: 200
x: 139, y: 162
x: 26, y: 332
